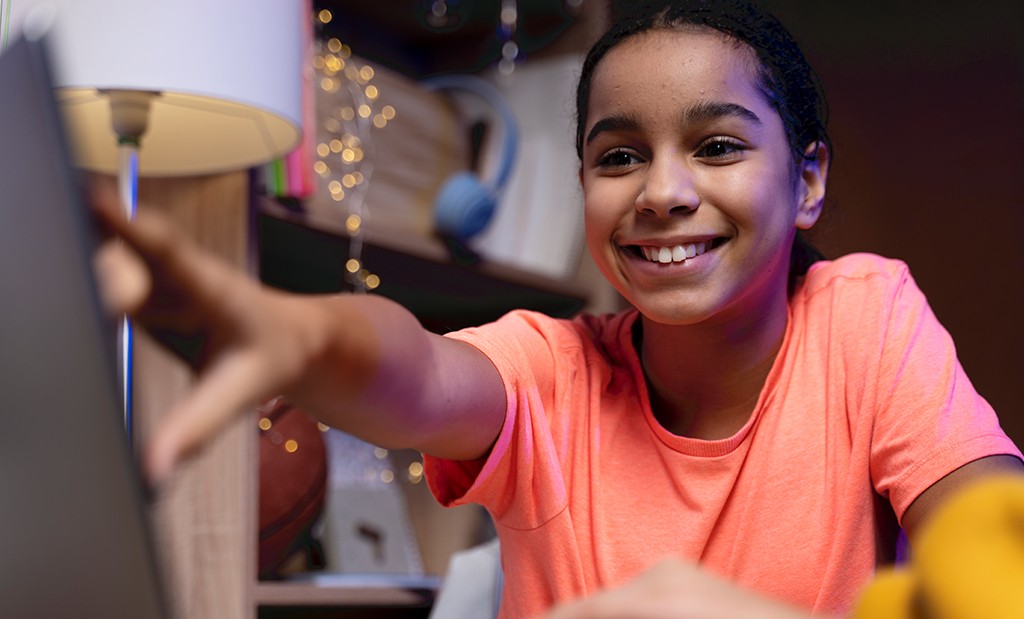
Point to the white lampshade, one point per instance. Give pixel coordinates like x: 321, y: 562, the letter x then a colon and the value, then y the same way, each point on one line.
x: 228, y: 74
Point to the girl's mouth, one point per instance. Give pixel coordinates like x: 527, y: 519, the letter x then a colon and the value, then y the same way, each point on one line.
x: 674, y: 253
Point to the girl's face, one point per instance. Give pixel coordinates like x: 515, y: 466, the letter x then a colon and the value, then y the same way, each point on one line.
x: 691, y: 195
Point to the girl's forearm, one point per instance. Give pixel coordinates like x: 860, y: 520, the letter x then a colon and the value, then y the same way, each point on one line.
x: 370, y: 369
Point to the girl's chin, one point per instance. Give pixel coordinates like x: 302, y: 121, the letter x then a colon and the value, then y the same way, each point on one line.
x: 680, y: 310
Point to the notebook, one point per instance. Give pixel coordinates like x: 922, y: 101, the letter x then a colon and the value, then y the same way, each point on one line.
x: 74, y: 539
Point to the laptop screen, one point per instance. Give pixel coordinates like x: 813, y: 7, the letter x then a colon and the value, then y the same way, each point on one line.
x: 73, y: 533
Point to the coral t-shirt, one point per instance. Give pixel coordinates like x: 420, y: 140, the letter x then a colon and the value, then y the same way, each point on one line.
x: 865, y: 406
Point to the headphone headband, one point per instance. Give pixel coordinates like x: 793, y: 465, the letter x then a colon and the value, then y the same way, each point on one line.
x: 483, y: 89
x: 465, y: 204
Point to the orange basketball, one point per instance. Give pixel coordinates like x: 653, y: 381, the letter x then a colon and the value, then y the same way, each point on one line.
x: 293, y: 481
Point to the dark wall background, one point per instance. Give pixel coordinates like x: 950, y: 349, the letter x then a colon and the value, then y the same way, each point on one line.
x: 927, y: 116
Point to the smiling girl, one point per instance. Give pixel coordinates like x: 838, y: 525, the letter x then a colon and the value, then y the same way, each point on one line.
x: 759, y: 412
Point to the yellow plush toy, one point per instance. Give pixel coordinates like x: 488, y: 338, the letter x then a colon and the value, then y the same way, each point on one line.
x: 967, y: 563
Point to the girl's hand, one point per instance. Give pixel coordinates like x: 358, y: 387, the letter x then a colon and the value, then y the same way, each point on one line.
x: 241, y: 338
x: 675, y: 589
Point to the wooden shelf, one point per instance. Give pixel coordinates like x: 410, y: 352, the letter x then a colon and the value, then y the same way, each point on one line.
x: 444, y: 290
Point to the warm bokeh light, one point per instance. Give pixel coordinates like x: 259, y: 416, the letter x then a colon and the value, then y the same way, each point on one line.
x: 415, y: 472
x: 339, y: 175
x: 333, y: 64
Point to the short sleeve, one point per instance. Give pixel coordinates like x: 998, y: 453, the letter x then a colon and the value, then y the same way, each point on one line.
x: 520, y: 480
x: 929, y: 419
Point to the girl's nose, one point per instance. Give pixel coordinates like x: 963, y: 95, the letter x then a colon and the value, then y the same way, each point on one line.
x: 669, y: 188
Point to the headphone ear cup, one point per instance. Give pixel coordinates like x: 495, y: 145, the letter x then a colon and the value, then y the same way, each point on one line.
x: 464, y: 206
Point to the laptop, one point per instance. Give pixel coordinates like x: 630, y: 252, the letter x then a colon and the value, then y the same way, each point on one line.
x: 74, y: 538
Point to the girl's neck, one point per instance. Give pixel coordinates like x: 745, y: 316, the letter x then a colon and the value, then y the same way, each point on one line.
x: 705, y: 380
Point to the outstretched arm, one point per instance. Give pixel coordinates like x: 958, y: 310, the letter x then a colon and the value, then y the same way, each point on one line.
x: 358, y: 362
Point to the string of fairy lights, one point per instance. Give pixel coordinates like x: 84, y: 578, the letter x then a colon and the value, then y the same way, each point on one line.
x: 508, y: 19
x: 344, y: 159
x: 344, y: 164
x: 344, y: 153
x: 438, y: 16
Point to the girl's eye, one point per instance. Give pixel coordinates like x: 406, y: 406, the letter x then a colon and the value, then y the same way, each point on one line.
x: 718, y: 148
x: 617, y: 159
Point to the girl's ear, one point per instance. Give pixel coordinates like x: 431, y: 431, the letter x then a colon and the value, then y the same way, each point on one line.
x: 811, y: 192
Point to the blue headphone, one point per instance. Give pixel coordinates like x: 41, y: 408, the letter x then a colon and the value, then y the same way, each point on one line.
x: 465, y: 204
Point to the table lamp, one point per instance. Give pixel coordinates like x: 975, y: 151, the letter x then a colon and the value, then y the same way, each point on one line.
x: 158, y: 88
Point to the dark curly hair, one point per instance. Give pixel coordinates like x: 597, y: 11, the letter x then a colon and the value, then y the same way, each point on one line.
x: 786, y: 79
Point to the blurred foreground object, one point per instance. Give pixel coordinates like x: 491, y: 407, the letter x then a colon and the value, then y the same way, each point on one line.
x: 967, y: 563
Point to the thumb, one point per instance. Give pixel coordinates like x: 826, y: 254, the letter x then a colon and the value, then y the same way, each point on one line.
x: 123, y: 280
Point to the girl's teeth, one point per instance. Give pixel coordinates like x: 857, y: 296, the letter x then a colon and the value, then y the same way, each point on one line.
x: 679, y: 253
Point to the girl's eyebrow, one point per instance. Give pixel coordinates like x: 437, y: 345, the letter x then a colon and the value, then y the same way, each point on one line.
x: 706, y: 111
x: 699, y: 113
x: 615, y: 122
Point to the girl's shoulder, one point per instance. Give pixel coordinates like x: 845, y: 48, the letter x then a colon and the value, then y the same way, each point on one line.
x: 859, y: 293
x: 581, y: 331
x: 857, y: 272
